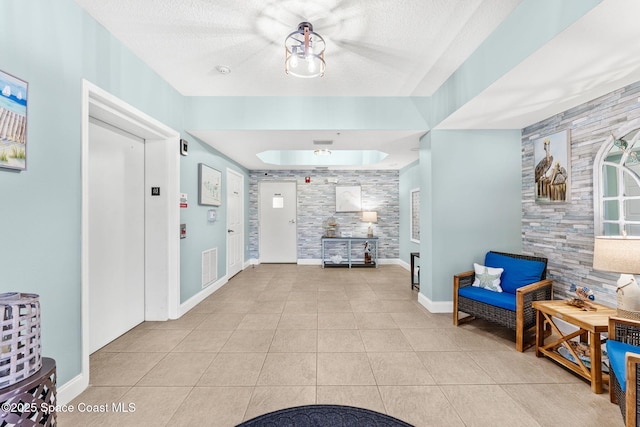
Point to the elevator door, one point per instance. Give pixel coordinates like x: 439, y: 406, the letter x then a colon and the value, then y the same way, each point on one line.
x: 116, y: 233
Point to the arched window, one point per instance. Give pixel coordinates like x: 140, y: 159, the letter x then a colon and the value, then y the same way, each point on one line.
x: 616, y: 183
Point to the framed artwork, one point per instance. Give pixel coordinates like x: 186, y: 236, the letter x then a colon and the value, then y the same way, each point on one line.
x: 348, y: 199
x: 209, y: 185
x: 552, y: 168
x: 415, y: 215
x: 13, y: 122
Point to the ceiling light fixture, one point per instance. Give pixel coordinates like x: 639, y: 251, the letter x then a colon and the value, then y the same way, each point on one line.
x: 322, y: 152
x: 304, y: 52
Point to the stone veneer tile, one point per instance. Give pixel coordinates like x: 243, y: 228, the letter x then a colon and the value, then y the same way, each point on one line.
x: 564, y: 232
x: 316, y: 203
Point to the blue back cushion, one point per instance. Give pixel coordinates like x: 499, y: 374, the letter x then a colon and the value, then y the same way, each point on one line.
x: 498, y: 299
x: 517, y: 272
x: 617, y: 352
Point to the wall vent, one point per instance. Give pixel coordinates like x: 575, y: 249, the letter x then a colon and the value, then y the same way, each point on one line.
x: 322, y: 142
x: 209, y: 266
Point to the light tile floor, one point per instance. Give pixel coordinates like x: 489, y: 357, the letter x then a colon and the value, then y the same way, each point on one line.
x: 277, y: 336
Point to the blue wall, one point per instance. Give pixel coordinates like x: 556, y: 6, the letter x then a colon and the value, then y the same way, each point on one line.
x: 409, y: 180
x: 532, y: 24
x: 202, y: 234
x: 53, y: 45
x: 292, y: 113
x: 473, y: 192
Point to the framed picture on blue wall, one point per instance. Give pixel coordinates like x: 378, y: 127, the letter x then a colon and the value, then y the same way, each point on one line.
x: 13, y: 122
x: 209, y: 186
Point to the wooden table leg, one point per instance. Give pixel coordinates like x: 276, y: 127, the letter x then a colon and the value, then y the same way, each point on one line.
x: 596, y: 362
x: 539, y: 332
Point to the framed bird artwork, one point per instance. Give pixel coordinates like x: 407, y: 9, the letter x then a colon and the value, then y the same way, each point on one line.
x: 552, y: 171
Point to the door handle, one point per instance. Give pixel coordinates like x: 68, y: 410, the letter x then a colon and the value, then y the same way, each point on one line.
x: 229, y: 231
x: 292, y: 221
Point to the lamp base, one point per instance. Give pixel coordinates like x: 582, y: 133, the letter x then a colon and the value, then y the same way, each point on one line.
x: 628, y: 297
x: 370, y: 231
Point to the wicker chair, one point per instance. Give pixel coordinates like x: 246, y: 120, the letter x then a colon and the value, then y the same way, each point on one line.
x: 625, y: 331
x: 522, y: 320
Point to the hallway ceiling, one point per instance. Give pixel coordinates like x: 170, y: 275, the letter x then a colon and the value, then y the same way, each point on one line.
x: 371, y: 51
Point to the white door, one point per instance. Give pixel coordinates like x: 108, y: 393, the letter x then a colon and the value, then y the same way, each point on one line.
x: 235, y: 222
x: 278, y: 231
x: 116, y: 233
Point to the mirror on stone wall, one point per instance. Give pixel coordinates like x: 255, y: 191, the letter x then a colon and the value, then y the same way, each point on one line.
x: 620, y: 176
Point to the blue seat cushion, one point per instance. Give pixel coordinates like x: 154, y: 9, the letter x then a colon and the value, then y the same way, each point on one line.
x: 617, y: 352
x: 517, y: 273
x: 497, y: 299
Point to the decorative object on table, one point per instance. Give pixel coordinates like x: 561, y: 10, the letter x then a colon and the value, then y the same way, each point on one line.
x: 13, y: 122
x: 330, y: 227
x: 209, y: 186
x: 583, y: 352
x: 20, y: 349
x: 582, y: 292
x: 584, y: 295
x: 336, y: 259
x: 581, y: 304
x: 621, y: 254
x: 370, y: 217
x: 367, y: 253
x: 552, y: 167
x: 348, y: 199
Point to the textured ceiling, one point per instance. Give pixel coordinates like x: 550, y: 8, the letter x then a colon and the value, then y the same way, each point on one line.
x: 374, y: 48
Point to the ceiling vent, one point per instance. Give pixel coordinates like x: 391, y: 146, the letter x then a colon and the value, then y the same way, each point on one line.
x: 322, y: 141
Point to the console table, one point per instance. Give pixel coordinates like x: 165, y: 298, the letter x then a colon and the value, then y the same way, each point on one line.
x: 414, y: 284
x: 346, y: 247
x: 27, y: 403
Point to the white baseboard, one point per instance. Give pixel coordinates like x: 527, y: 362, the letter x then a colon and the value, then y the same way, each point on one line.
x: 317, y: 261
x: 200, y: 296
x: 404, y: 265
x: 388, y: 261
x: 435, y: 306
x: 71, y: 389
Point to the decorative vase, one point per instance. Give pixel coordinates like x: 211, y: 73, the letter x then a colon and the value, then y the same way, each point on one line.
x: 20, y: 349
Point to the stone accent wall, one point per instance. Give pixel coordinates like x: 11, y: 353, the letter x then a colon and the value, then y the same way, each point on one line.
x: 317, y: 202
x: 564, y: 232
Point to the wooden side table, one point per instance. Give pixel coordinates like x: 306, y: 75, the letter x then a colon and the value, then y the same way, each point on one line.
x: 590, y: 325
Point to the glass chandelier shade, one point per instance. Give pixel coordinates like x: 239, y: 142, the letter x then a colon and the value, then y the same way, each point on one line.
x: 304, y: 52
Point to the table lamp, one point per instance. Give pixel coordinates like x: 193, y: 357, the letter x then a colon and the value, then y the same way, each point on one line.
x: 370, y: 217
x: 621, y: 254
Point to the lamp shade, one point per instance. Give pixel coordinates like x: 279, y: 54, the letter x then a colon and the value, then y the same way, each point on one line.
x: 617, y: 254
x: 370, y: 216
